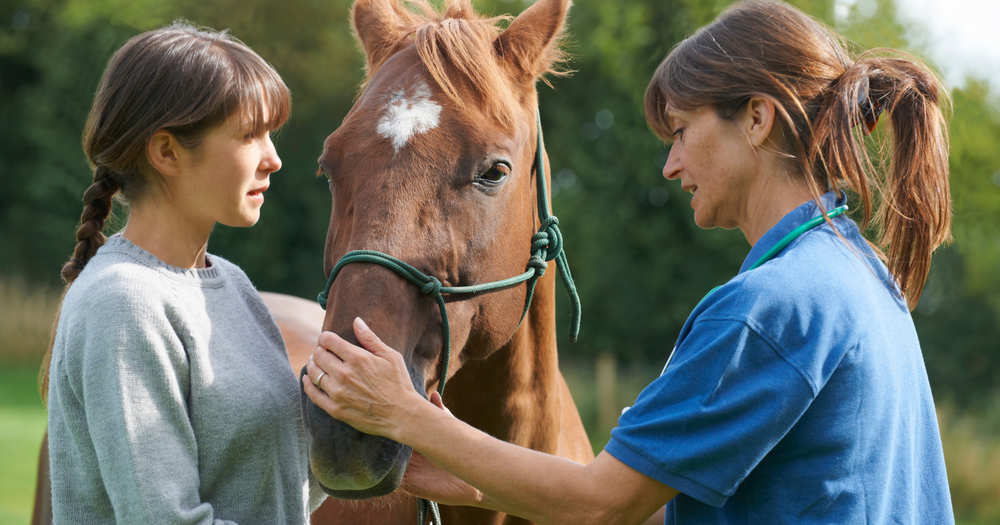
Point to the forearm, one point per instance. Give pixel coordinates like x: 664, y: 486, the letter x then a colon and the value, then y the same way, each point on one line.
x: 543, y: 488
x: 370, y: 389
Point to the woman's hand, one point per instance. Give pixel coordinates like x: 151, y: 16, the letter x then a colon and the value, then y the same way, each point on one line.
x: 424, y: 479
x: 366, y: 387
x: 369, y: 388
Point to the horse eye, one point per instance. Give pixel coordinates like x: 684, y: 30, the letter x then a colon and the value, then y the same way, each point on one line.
x: 496, y: 174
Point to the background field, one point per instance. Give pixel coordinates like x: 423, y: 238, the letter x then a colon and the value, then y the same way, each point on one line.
x: 972, y: 450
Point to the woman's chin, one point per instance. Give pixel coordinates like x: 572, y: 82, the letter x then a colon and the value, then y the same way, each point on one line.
x: 245, y: 220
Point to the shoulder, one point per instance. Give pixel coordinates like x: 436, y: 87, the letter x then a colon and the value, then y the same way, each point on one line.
x: 813, y: 303
x: 820, y: 274
x: 231, y: 272
x: 249, y: 295
x: 117, y: 285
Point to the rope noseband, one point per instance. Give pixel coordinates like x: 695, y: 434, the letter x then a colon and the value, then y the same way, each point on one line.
x: 546, y: 245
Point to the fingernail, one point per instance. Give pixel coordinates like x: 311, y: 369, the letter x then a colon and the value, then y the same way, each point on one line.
x: 361, y: 323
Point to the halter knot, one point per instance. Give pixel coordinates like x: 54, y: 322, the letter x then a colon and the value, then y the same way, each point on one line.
x: 432, y: 287
x: 546, y: 245
x: 538, y: 263
x: 547, y: 242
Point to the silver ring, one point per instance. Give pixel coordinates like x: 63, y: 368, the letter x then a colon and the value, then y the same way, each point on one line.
x: 321, y: 374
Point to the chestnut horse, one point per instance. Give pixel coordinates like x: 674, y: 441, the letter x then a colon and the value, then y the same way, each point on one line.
x: 435, y: 166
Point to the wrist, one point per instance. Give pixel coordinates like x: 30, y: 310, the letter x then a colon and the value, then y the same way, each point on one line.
x: 412, y: 416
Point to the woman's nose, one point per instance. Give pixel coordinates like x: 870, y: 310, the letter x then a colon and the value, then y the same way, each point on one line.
x: 672, y: 166
x: 270, y: 162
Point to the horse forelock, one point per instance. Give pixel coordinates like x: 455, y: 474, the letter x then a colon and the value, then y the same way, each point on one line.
x: 458, y: 46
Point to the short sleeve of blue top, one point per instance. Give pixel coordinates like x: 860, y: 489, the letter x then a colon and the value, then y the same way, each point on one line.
x: 797, y: 394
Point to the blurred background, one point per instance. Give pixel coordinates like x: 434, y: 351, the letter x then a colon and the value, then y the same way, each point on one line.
x: 639, y: 261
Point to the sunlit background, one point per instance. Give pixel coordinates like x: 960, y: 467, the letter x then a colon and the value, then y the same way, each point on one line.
x: 639, y: 261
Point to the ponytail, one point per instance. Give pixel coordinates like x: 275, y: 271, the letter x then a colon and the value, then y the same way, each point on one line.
x: 827, y: 103
x: 912, y: 215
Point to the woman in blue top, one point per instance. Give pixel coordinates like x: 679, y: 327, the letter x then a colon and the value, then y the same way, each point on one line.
x: 797, y: 392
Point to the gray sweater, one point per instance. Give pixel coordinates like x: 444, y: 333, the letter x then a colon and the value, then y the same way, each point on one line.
x: 171, y: 399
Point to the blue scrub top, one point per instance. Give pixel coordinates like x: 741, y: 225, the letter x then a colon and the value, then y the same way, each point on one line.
x: 797, y: 394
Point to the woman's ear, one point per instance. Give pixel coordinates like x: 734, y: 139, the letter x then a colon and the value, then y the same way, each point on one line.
x: 759, y: 120
x: 164, y: 153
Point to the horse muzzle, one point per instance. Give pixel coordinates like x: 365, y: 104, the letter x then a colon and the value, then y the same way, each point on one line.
x: 350, y: 464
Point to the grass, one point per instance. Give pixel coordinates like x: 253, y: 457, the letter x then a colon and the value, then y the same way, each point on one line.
x: 22, y: 424
x: 972, y: 452
x: 24, y: 335
x: 26, y: 321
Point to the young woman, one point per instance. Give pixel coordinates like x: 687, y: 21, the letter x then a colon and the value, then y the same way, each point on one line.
x: 797, y: 392
x: 170, y: 395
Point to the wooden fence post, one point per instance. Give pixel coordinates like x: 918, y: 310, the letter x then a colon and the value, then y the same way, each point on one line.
x: 607, y: 392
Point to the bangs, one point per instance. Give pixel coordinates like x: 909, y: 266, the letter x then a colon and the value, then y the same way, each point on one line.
x: 664, y: 92
x: 260, y: 93
x: 655, y: 106
x: 214, y: 77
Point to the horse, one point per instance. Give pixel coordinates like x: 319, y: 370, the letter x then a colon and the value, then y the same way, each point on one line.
x: 435, y: 165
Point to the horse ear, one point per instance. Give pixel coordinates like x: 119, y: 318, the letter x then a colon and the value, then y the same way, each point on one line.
x: 379, y: 26
x: 530, y: 44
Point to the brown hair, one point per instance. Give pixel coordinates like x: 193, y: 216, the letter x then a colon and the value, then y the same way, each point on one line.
x: 456, y: 41
x: 178, y: 78
x: 768, y: 48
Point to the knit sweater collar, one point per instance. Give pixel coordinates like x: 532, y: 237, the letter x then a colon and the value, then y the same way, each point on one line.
x: 118, y: 245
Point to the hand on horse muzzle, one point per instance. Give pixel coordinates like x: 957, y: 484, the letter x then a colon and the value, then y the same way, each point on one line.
x: 358, y: 387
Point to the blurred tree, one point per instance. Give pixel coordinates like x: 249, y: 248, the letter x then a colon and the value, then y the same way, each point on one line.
x: 959, y: 316
x: 52, y: 56
x: 640, y: 261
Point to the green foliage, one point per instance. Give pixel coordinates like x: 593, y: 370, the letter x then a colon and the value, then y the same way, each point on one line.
x: 640, y: 261
x: 637, y: 256
x: 975, y: 186
x: 958, y: 318
x: 22, y: 423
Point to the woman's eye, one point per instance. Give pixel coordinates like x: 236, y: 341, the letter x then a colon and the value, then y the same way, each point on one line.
x: 679, y: 133
x: 496, y: 174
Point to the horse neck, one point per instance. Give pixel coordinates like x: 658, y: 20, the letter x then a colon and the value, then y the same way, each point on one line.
x: 514, y: 394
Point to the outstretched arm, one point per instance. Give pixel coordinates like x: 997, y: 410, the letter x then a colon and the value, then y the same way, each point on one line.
x: 369, y: 389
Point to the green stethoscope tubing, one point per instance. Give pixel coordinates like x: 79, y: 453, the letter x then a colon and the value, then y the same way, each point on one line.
x: 774, y: 251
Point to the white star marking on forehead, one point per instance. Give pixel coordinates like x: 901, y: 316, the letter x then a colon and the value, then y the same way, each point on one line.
x: 408, y: 114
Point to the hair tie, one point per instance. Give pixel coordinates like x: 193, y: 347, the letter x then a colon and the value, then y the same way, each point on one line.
x: 870, y: 111
x: 109, y: 178
x: 76, y: 263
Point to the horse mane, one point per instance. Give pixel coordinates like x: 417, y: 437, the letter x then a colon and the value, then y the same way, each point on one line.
x: 459, y: 37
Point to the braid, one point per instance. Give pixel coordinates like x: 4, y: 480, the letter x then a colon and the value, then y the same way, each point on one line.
x: 96, y: 209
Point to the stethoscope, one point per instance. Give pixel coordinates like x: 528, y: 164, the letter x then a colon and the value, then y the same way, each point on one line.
x: 770, y: 254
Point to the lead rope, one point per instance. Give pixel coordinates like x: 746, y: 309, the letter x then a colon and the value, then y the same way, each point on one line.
x: 546, y: 245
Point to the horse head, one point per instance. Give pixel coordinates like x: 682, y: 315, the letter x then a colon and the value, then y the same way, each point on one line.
x: 435, y: 166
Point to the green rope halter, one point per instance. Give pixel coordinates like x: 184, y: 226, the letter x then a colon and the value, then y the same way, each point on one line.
x: 546, y: 245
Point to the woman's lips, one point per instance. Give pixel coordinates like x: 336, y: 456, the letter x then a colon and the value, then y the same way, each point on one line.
x: 258, y: 193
